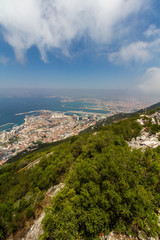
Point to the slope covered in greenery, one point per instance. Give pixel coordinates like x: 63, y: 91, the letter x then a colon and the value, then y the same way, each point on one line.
x: 107, y: 186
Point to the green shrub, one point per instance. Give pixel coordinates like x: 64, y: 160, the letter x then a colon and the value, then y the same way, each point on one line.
x: 29, y: 212
x: 155, y: 128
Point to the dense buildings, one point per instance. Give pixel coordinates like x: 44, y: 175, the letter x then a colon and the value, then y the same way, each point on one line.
x: 47, y: 127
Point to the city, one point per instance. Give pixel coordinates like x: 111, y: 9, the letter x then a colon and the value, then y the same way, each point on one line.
x: 44, y: 128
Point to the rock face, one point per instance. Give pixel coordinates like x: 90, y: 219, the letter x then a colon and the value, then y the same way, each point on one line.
x: 146, y: 139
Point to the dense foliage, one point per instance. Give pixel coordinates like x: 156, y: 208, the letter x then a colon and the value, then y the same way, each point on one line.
x: 107, y: 186
x: 22, y: 192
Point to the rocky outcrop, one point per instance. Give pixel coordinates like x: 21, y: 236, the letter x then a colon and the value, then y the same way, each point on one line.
x: 146, y: 138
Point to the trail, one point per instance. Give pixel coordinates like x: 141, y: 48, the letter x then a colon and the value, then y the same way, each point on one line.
x: 35, y: 229
x: 34, y: 162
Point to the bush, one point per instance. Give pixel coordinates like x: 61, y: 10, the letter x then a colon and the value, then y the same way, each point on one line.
x: 154, y: 128
x: 29, y: 212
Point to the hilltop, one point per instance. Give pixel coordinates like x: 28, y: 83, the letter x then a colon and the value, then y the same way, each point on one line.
x: 107, y: 185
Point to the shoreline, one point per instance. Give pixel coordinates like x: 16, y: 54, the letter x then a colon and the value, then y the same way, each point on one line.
x: 49, y: 126
x: 80, y: 112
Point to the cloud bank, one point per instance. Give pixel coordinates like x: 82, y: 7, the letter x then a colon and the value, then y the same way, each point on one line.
x: 54, y: 24
x: 150, y: 81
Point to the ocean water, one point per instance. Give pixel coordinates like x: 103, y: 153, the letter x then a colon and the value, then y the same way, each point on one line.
x: 9, y: 107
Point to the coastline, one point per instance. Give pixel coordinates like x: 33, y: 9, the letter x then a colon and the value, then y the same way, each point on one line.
x: 13, y: 110
x: 49, y: 126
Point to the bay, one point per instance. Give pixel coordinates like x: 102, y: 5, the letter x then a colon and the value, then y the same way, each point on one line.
x: 9, y: 107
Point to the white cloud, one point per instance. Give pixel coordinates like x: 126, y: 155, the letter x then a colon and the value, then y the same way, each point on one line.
x: 3, y: 60
x: 152, y: 31
x: 138, y: 51
x: 150, y: 81
x: 54, y: 24
x: 141, y: 51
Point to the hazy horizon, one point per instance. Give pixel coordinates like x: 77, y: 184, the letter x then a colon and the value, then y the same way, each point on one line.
x: 107, y: 94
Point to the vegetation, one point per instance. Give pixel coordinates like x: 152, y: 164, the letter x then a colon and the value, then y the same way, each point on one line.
x: 40, y: 148
x: 107, y: 186
x: 155, y: 128
x: 22, y: 192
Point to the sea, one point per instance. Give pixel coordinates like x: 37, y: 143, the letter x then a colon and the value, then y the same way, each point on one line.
x: 11, y: 106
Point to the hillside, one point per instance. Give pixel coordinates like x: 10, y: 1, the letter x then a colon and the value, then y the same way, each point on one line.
x: 107, y: 185
x: 121, y: 116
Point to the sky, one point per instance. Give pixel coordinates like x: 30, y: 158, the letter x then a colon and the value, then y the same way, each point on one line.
x: 93, y: 44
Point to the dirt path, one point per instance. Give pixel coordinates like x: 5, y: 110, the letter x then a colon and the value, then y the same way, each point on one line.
x: 35, y: 229
x: 34, y: 162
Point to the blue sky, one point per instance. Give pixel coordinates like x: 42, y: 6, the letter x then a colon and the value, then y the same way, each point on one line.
x: 95, y: 44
